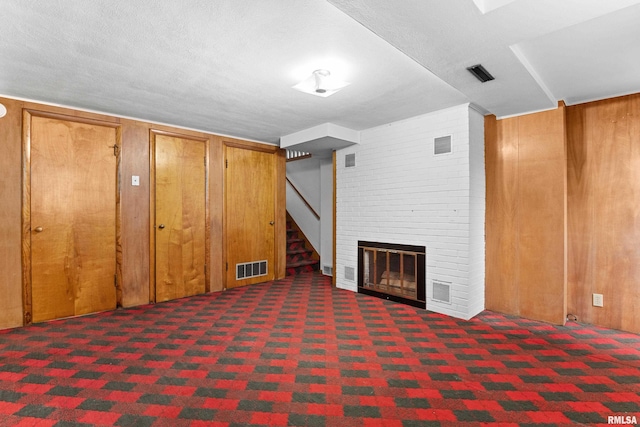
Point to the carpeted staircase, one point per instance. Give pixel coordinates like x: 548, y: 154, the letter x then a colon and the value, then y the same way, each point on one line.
x: 301, y: 257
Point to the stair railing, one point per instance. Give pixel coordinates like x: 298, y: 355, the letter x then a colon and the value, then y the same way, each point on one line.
x: 297, y: 155
x: 307, y: 204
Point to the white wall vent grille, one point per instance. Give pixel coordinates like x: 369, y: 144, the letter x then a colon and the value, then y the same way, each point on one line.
x: 247, y: 270
x: 442, y: 145
x: 350, y: 160
x: 350, y: 273
x: 327, y: 270
x: 441, y: 291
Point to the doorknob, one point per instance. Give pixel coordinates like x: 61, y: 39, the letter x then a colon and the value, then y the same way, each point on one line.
x: 38, y: 229
x: 161, y: 226
x: 271, y: 222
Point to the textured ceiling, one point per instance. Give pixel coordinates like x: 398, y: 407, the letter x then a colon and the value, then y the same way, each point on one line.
x: 446, y: 37
x: 227, y: 66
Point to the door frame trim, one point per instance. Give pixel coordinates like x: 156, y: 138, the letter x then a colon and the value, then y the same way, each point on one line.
x: 27, y: 115
x: 153, y: 133
x: 334, y: 189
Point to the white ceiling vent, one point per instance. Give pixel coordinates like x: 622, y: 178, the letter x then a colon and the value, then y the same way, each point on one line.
x: 442, y: 145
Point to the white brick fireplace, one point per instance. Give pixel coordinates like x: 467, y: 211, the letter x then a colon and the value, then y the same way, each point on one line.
x: 400, y: 192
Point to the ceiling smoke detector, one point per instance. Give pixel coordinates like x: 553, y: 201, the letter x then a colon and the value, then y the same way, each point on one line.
x: 321, y: 83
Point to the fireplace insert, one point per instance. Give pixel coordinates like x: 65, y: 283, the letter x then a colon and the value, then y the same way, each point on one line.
x: 391, y: 271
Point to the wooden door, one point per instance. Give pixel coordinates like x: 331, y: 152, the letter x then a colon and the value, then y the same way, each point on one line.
x: 180, y: 217
x: 72, y: 218
x: 250, y: 216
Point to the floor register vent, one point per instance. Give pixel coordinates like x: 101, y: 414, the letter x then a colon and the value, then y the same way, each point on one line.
x: 441, y: 291
x: 247, y: 270
x: 350, y: 273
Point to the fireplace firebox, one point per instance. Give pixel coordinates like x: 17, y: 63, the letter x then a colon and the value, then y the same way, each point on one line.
x: 391, y: 271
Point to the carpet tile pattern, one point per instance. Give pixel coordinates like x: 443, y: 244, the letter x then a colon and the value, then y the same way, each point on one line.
x: 297, y: 352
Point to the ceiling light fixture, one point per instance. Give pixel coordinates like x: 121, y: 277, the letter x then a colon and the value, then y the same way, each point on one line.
x: 321, y: 83
x: 3, y: 111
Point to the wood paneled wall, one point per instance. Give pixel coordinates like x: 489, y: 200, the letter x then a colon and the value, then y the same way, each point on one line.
x: 604, y: 211
x: 134, y: 226
x: 134, y: 205
x: 526, y: 215
x: 527, y: 255
x: 10, y: 215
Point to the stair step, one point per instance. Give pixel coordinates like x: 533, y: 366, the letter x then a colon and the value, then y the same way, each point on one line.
x: 299, y: 251
x: 300, y: 256
x: 303, y: 263
x: 300, y: 267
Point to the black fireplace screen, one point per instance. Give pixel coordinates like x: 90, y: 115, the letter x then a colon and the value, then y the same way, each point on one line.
x: 391, y: 271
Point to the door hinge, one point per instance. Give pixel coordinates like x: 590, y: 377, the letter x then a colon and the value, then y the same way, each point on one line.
x: 116, y: 150
x: 227, y: 266
x: 226, y: 163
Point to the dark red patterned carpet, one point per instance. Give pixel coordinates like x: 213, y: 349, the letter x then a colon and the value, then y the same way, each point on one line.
x: 297, y: 352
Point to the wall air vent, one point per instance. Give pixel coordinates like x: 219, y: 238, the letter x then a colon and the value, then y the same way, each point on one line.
x: 481, y: 73
x: 349, y: 160
x: 247, y: 270
x: 442, y: 145
x: 327, y: 270
x: 350, y: 273
x: 441, y: 291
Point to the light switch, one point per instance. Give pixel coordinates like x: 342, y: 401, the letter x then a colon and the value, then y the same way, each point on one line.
x: 135, y: 180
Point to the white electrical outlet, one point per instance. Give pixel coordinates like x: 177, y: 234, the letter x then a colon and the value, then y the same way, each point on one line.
x: 135, y: 180
x: 598, y: 300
